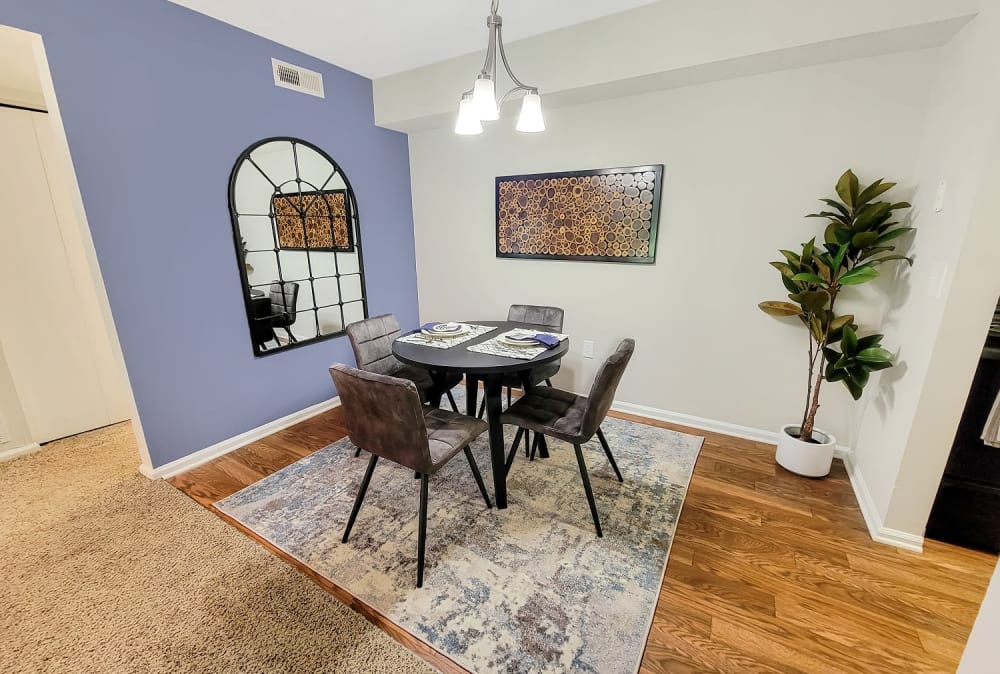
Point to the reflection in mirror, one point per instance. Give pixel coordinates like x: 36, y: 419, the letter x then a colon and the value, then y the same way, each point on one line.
x: 295, y: 226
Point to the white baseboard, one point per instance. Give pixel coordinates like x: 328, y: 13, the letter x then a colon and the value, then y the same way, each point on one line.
x: 713, y: 425
x: 190, y: 461
x: 11, y: 454
x: 876, y: 528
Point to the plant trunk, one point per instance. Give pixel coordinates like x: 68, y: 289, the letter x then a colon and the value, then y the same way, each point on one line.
x: 805, y: 433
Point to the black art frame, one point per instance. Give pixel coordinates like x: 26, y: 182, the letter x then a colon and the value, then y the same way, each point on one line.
x: 238, y: 244
x: 656, y: 169
x: 348, y: 215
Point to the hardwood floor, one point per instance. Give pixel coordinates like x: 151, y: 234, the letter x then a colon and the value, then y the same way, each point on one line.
x: 769, y: 572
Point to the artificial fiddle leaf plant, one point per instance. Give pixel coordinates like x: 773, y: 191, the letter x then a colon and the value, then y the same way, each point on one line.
x: 857, y: 240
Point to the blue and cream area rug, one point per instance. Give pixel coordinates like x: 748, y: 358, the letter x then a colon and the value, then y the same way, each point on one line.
x: 526, y: 589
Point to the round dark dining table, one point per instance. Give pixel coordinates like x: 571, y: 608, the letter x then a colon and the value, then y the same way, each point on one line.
x: 481, y: 367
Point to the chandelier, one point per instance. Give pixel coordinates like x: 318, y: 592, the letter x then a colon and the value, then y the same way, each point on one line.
x: 480, y: 104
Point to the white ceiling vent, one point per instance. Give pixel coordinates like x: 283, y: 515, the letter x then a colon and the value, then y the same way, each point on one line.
x: 297, y: 78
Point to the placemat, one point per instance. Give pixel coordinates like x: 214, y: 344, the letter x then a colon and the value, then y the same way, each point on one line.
x: 446, y: 342
x: 495, y: 347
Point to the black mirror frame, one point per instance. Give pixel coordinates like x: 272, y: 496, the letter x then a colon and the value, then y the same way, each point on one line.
x: 241, y: 262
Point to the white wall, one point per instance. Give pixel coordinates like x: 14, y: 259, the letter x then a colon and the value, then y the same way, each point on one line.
x: 983, y: 650
x: 744, y: 160
x: 940, y: 312
x: 14, y: 433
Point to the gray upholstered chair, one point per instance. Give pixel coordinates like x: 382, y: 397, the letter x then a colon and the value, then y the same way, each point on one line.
x: 547, y: 317
x: 372, y: 341
x: 386, y: 417
x: 572, y: 418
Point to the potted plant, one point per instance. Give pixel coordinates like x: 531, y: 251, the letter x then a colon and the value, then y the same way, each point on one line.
x: 857, y: 241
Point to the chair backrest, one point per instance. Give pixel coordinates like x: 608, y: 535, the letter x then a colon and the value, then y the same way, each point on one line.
x: 550, y: 317
x: 384, y: 416
x: 602, y: 392
x: 372, y: 341
x: 284, y: 296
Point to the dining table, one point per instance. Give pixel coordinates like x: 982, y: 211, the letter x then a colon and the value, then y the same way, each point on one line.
x: 488, y: 368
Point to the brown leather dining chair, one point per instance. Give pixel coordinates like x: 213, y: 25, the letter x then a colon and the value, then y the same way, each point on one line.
x: 572, y: 418
x: 372, y: 341
x: 550, y: 318
x: 385, y: 416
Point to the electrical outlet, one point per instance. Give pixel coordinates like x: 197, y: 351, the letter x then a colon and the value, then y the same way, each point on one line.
x: 588, y: 348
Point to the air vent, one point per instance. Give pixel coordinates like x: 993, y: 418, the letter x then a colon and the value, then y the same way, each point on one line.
x: 297, y: 78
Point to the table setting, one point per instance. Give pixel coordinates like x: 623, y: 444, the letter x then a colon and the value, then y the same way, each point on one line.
x: 445, y: 335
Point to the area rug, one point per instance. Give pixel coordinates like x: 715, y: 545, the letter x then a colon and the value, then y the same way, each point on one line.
x: 106, y: 571
x: 527, y: 589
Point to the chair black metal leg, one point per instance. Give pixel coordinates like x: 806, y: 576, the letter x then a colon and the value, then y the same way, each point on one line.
x: 513, y: 449
x: 451, y: 399
x: 482, y: 408
x: 361, y: 496
x: 543, y: 447
x: 479, y: 478
x: 422, y: 531
x: 534, y: 445
x: 357, y: 453
x: 549, y: 382
x: 607, y: 452
x: 527, y: 444
x: 291, y: 337
x: 586, y: 488
x: 508, y: 397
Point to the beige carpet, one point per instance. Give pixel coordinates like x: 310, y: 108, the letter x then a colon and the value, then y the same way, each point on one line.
x: 106, y: 571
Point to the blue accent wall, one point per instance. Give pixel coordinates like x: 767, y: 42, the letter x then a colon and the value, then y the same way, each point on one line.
x: 158, y: 102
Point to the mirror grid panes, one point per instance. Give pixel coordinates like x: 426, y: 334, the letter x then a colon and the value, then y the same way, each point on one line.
x: 295, y: 226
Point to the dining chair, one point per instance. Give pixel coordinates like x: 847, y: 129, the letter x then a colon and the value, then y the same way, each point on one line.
x: 372, y: 341
x: 284, y: 296
x: 573, y: 418
x: 548, y: 317
x: 386, y: 417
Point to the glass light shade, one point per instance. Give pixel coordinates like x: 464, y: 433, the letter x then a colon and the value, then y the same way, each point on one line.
x: 484, y: 99
x: 530, y: 120
x: 468, y: 121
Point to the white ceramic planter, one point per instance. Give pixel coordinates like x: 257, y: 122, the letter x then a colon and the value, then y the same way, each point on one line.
x: 811, y: 459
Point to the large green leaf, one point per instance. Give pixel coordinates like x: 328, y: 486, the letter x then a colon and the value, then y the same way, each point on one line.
x: 869, y: 341
x: 807, y: 250
x: 809, y: 277
x: 792, y: 258
x: 870, y: 215
x: 812, y: 301
x: 847, y: 188
x: 840, y: 208
x: 859, y: 275
x: 790, y: 285
x: 849, y: 341
x: 893, y: 234
x: 841, y: 321
x: 876, y: 189
x: 839, y: 259
x: 864, y: 239
x: 890, y: 258
x: 823, y: 268
x: 780, y: 309
x: 784, y: 268
x: 875, y: 355
x: 853, y: 388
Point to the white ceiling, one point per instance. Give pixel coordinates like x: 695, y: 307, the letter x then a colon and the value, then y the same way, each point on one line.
x: 381, y: 37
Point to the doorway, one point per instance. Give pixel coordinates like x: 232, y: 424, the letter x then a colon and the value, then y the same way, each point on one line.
x: 61, y: 366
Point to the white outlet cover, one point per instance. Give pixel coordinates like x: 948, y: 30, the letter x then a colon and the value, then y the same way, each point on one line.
x: 942, y: 190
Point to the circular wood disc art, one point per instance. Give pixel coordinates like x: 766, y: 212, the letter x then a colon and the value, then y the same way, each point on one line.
x: 604, y: 214
x: 313, y: 221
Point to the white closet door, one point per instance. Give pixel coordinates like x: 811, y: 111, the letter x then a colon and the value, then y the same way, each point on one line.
x: 57, y: 349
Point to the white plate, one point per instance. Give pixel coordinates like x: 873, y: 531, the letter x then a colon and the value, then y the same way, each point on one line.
x: 519, y: 343
x: 465, y: 329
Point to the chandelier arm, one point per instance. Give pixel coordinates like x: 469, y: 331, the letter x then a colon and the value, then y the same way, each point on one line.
x: 514, y: 91
x: 506, y: 65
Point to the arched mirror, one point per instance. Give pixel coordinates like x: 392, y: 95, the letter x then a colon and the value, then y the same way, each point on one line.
x: 295, y: 226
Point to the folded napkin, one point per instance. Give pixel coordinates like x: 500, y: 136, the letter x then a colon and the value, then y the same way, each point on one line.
x: 548, y: 341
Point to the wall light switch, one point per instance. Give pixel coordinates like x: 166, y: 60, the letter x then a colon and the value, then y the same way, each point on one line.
x: 942, y: 190
x: 588, y: 348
